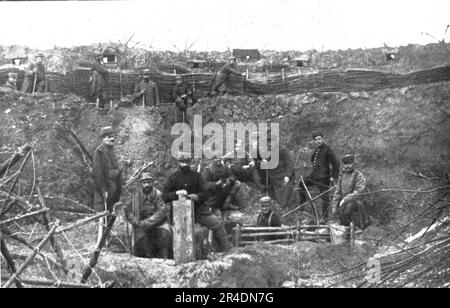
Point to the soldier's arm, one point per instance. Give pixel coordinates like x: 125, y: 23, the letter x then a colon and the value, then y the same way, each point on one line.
x: 158, y: 217
x: 98, y: 172
x: 157, y: 102
x: 174, y: 94
x: 202, y: 191
x: 360, y: 185
x: 99, y: 68
x: 334, y: 164
x: 337, y: 196
x: 29, y: 70
x: 137, y: 91
x: 209, y: 183
x: 169, y: 190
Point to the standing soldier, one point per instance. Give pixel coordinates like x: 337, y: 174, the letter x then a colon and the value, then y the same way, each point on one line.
x: 107, y: 176
x: 148, y: 213
x: 221, y: 83
x: 35, y: 76
x: 325, y: 170
x: 97, y: 81
x: 347, y: 200
x: 146, y: 92
x: 182, y: 96
x: 188, y: 183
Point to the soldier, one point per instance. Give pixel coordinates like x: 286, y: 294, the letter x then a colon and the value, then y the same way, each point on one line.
x: 325, y: 170
x: 241, y: 167
x: 347, y: 201
x: 222, y: 187
x: 182, y: 96
x: 267, y: 216
x: 146, y: 92
x: 221, y: 83
x: 14, y: 159
x: 97, y: 81
x: 148, y: 213
x: 107, y: 175
x: 279, y: 178
x: 35, y: 76
x: 189, y: 184
x: 12, y: 81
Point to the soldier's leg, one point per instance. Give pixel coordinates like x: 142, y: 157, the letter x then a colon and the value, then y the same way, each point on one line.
x: 140, y: 248
x: 163, y: 242
x: 40, y: 86
x: 213, y: 223
x: 346, y: 212
x: 324, y: 185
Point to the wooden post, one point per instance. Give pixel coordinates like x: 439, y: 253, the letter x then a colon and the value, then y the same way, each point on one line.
x: 237, y: 235
x: 121, y: 86
x: 183, y: 235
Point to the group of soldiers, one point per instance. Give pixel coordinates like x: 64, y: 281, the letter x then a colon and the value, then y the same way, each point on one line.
x: 146, y: 92
x: 34, y: 78
x: 215, y: 191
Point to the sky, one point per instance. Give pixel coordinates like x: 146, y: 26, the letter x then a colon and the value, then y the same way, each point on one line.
x: 207, y: 25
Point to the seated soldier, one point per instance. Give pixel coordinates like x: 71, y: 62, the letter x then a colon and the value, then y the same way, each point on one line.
x: 12, y: 81
x: 240, y: 164
x: 221, y: 187
x: 186, y: 183
x: 347, y: 201
x: 267, y: 216
x: 148, y: 213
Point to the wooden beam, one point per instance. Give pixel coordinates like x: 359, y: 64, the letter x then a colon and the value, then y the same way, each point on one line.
x: 183, y: 231
x: 50, y: 283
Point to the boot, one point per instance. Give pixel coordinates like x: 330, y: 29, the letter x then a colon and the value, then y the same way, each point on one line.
x: 221, y: 238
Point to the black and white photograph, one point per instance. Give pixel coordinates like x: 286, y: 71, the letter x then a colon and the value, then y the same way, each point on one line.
x: 225, y: 151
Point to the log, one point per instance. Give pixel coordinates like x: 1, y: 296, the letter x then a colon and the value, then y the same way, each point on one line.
x: 21, y: 217
x: 31, y: 257
x: 27, y: 244
x: 50, y: 283
x: 282, y: 234
x: 9, y: 261
x: 53, y: 241
x: 96, y: 255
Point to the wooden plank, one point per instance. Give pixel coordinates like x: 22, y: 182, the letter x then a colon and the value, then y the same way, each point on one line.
x: 183, y: 235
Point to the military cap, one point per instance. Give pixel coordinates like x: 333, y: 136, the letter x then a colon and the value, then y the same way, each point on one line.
x: 107, y: 130
x: 145, y: 176
x: 316, y: 134
x: 12, y: 74
x: 348, y: 159
x: 40, y: 55
x: 184, y: 156
x: 265, y: 201
x: 146, y: 72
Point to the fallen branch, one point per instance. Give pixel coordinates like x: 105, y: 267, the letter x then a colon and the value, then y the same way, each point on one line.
x: 21, y: 217
x: 49, y: 283
x: 28, y: 245
x: 31, y: 257
x: 9, y: 261
x: 96, y: 255
x: 305, y: 203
